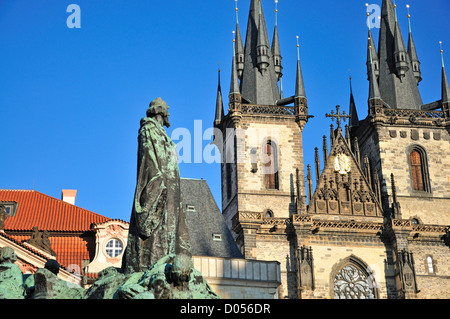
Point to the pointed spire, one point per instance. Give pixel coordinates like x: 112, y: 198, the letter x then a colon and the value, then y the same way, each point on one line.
x: 276, y: 52
x: 372, y: 56
x: 263, y: 47
x: 219, y: 104
x: 299, y: 86
x: 374, y: 90
x: 234, y: 86
x: 354, y: 120
x: 445, y: 84
x: 397, y: 83
x: 413, y: 52
x: 258, y: 87
x: 239, y: 52
x: 401, y: 62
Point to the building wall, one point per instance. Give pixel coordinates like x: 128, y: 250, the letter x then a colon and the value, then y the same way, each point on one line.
x: 389, y: 147
x: 436, y: 284
x: 239, y: 278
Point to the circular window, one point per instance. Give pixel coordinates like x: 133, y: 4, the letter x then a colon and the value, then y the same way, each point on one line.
x: 114, y: 248
x: 268, y: 214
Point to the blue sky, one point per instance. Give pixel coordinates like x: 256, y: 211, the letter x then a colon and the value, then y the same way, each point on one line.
x: 71, y: 99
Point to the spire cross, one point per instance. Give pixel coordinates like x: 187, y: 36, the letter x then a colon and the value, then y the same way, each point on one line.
x: 338, y: 116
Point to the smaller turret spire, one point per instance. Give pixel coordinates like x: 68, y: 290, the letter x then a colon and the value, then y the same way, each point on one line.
x: 413, y: 52
x: 401, y: 62
x: 219, y: 104
x: 445, y: 86
x: 374, y: 90
x: 276, y: 52
x: 299, y: 87
x: 354, y: 120
x: 372, y: 56
x: 239, y: 51
x: 234, y: 86
x: 262, y: 47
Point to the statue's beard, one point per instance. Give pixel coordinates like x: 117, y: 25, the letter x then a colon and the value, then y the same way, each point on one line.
x: 166, y: 121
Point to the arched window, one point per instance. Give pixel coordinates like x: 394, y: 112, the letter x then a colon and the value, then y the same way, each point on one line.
x: 353, y: 282
x: 419, y: 170
x: 270, y: 166
x: 430, y: 265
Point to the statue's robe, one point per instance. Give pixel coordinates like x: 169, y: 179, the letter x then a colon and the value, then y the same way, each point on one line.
x: 158, y: 223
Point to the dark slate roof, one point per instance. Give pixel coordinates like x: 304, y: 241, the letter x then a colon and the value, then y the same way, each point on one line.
x: 397, y: 93
x: 206, y: 221
x: 256, y: 87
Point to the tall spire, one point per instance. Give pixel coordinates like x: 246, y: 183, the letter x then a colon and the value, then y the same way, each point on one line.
x: 239, y: 52
x: 262, y: 55
x: 300, y: 101
x: 413, y: 52
x: 234, y: 86
x: 397, y: 83
x: 401, y: 62
x: 374, y: 90
x: 354, y: 120
x: 219, y: 104
x: 445, y: 88
x: 372, y: 56
x: 299, y: 86
x: 276, y: 52
x: 259, y: 79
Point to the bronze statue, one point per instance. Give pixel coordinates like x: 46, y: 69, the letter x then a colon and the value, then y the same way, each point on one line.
x: 158, y: 224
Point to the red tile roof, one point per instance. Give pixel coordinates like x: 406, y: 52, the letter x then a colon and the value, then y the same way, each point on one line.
x: 47, y: 213
x: 56, y: 216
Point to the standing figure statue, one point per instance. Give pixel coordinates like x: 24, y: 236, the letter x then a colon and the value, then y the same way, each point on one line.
x: 158, y: 223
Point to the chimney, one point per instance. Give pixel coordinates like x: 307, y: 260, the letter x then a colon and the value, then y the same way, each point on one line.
x: 69, y: 196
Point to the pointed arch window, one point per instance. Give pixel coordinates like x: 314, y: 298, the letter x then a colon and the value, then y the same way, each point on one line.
x: 419, y: 169
x: 271, y: 166
x: 352, y: 281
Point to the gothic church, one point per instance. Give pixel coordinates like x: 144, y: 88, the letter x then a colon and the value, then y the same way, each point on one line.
x: 376, y: 223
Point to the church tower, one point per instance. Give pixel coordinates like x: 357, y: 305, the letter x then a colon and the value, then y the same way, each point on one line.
x: 376, y: 223
x: 402, y: 136
x: 405, y: 145
x: 260, y: 137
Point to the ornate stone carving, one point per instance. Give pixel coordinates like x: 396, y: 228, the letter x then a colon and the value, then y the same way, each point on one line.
x: 353, y: 283
x: 40, y: 239
x: 342, y: 164
x: 306, y: 267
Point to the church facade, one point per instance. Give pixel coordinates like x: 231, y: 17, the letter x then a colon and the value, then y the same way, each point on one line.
x: 369, y: 219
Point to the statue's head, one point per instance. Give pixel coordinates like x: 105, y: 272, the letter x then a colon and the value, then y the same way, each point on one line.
x: 53, y: 266
x: 159, y: 107
x: 7, y: 255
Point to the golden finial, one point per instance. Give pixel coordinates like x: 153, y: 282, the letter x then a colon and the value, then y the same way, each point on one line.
x: 368, y: 15
x: 407, y: 7
x: 298, y: 49
x: 234, y: 37
x: 442, y: 54
x: 276, y: 12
